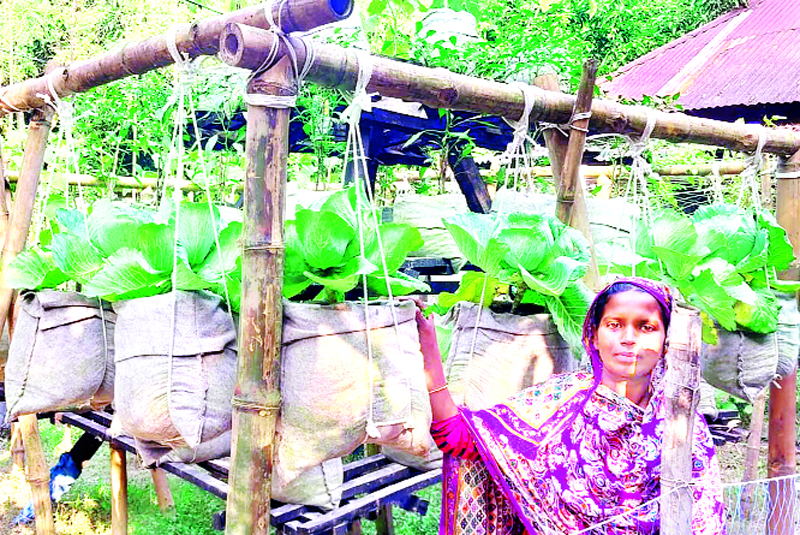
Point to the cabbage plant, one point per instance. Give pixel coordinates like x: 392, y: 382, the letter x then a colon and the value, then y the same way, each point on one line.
x: 336, y: 245
x: 723, y: 259
x: 120, y: 253
x: 540, y: 257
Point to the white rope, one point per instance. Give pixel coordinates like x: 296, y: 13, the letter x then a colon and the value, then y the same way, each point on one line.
x: 716, y: 182
x: 270, y: 101
x: 269, y: 6
x: 515, y: 159
x: 752, y: 166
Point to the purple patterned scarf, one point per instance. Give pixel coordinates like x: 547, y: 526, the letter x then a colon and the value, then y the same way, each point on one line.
x: 570, y: 454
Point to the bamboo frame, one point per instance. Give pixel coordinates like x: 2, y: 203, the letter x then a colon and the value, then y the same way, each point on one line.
x: 163, y: 492
x: 681, y: 397
x: 782, y: 396
x: 37, y: 474
x: 119, y: 491
x: 192, y: 40
x: 570, y: 196
x: 334, y: 66
x: 257, y: 397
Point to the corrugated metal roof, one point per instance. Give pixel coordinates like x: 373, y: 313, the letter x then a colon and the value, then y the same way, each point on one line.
x: 745, y: 57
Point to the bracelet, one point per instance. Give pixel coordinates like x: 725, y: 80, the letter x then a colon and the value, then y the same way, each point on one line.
x: 439, y: 389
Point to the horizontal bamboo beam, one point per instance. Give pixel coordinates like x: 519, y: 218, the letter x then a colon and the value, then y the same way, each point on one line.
x: 249, y: 47
x: 192, y: 40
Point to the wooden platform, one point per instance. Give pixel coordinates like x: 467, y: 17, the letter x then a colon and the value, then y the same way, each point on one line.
x: 370, y: 484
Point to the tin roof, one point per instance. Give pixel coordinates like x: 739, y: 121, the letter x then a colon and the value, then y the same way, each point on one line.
x: 746, y: 57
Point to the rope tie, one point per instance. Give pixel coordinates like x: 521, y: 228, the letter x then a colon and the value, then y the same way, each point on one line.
x: 752, y: 166
x: 579, y: 117
x: 8, y: 105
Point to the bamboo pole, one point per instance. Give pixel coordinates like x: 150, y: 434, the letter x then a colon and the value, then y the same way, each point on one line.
x: 681, y: 397
x: 554, y: 139
x: 37, y: 474
x: 753, y: 451
x: 119, y: 491
x: 163, y: 493
x: 17, y: 448
x: 32, y: 162
x: 570, y: 198
x: 782, y: 394
x: 248, y: 48
x: 257, y: 398
x: 193, y: 40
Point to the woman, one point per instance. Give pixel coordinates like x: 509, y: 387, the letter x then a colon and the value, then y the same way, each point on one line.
x: 579, y: 450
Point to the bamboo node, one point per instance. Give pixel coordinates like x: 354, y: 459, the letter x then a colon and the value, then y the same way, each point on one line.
x: 251, y: 406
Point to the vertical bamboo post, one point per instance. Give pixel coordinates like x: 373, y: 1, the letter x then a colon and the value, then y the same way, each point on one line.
x: 554, y: 139
x: 119, y: 491
x: 17, y: 448
x: 37, y: 474
x: 163, y: 494
x: 571, y: 199
x: 384, y: 523
x: 782, y: 395
x: 681, y: 397
x: 27, y: 184
x: 257, y: 396
x: 753, y: 451
x: 36, y: 469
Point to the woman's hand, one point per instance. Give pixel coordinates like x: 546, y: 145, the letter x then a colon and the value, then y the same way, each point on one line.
x: 442, y: 403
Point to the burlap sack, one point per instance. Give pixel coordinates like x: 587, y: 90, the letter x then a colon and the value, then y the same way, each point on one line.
x: 425, y: 213
x: 60, y: 357
x: 184, y: 400
x: 320, y: 486
x: 325, y: 384
x: 743, y: 363
x: 510, y: 354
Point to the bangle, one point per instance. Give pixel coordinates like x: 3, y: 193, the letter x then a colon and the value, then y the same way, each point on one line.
x: 439, y: 389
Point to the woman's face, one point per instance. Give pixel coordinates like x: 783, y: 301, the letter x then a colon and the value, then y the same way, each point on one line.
x: 630, y: 337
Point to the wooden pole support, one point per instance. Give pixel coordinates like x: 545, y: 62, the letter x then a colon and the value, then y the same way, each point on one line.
x: 192, y: 40
x: 17, y: 447
x: 753, y: 451
x: 163, y: 493
x: 334, y: 66
x: 570, y: 198
x: 257, y: 395
x: 782, y: 394
x: 119, y: 491
x: 681, y: 396
x: 32, y: 163
x: 37, y: 473
x: 554, y: 139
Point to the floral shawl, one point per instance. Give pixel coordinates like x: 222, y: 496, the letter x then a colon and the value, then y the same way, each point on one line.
x: 572, y: 456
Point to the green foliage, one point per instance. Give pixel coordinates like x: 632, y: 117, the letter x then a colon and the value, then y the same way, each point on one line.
x: 117, y: 253
x: 324, y: 246
x: 536, y: 254
x: 723, y: 259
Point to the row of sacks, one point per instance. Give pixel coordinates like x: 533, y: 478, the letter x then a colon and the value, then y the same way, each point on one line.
x: 172, y: 387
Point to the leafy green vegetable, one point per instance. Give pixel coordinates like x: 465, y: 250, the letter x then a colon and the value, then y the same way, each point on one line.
x: 339, y: 243
x: 723, y: 259
x: 124, y: 252
x: 539, y: 255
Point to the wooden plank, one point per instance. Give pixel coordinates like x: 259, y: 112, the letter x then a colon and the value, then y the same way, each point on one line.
x: 376, y: 479
x: 198, y: 477
x: 360, y: 507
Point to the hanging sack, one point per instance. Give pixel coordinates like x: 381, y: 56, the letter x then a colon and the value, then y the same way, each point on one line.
x: 744, y: 363
x: 62, y: 354
x: 320, y: 486
x: 510, y: 354
x: 182, y: 396
x: 326, y: 376
x: 425, y: 213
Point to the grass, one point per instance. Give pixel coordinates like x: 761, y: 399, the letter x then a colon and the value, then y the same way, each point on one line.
x: 86, y: 509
